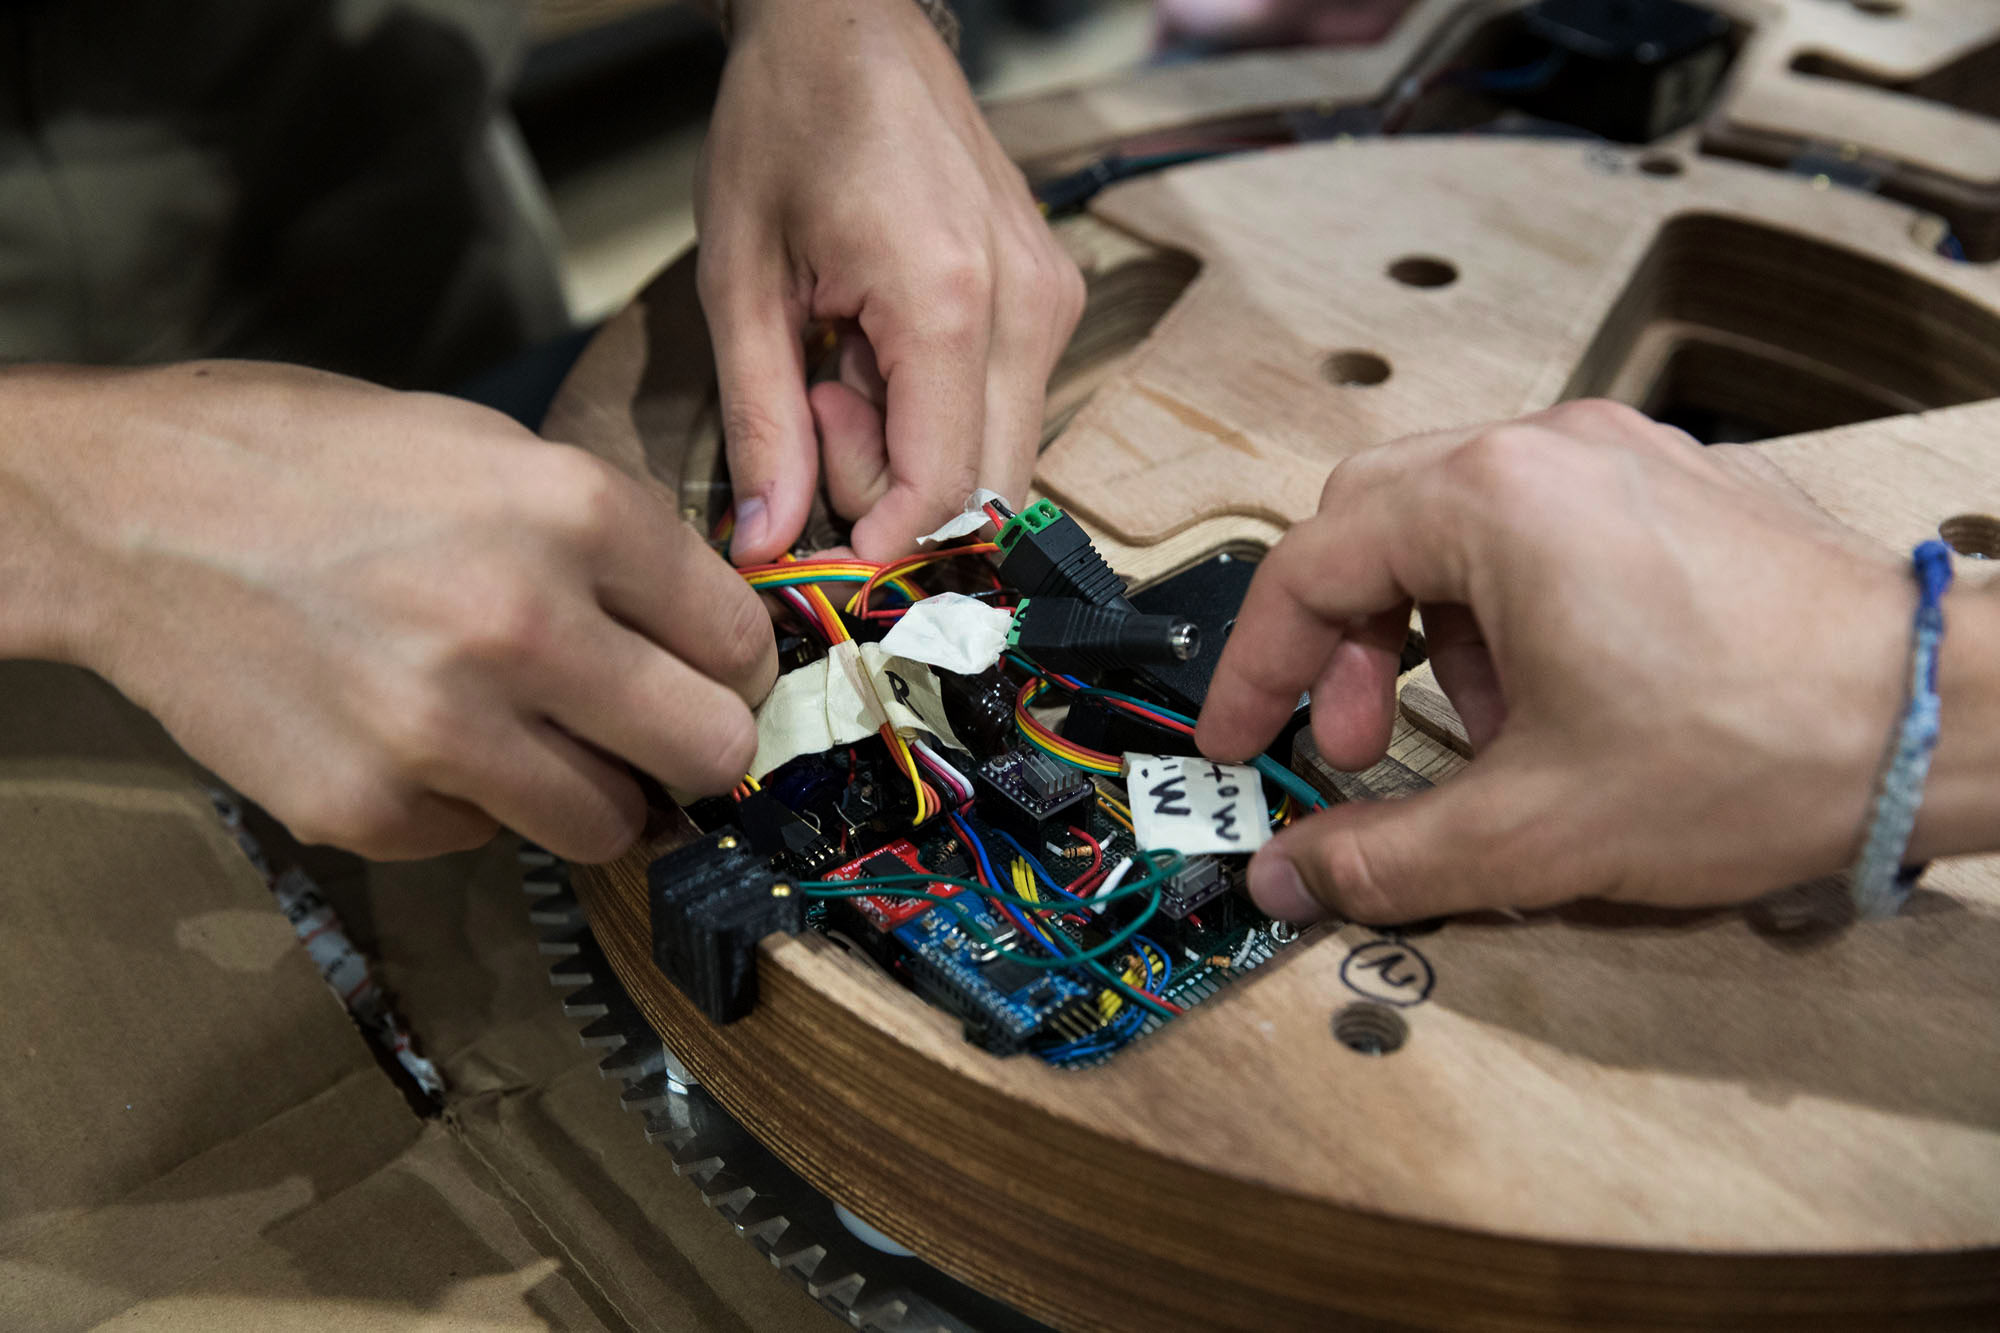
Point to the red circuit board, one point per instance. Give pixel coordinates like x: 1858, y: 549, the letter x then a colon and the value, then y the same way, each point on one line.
x: 888, y: 913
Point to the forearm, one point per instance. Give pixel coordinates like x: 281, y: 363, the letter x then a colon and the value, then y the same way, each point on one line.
x: 50, y: 579
x: 734, y: 15
x: 1961, y: 809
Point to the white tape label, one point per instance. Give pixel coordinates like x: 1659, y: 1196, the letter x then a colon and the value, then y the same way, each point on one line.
x: 952, y: 632
x: 969, y: 521
x: 1196, y: 805
x: 846, y: 695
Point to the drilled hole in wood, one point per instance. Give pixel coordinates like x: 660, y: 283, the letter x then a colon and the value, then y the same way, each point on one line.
x: 1356, y: 369
x: 1975, y: 536
x: 1424, y: 271
x: 1661, y: 164
x: 1367, y: 1028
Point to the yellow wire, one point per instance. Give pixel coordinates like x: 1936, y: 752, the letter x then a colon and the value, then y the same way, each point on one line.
x: 900, y: 748
x: 1118, y: 812
x: 831, y: 569
x: 895, y: 578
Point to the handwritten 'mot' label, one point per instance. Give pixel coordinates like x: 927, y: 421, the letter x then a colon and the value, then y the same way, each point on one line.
x: 1195, y: 805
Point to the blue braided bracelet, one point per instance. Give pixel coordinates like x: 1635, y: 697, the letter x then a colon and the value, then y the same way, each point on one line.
x: 1880, y: 881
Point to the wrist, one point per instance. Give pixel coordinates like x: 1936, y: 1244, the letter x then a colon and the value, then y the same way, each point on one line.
x: 1961, y: 807
x: 51, y: 579
x: 739, y: 17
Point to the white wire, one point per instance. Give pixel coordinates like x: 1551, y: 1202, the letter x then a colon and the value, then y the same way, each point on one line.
x: 943, y: 771
x: 799, y: 604
x: 1111, y: 881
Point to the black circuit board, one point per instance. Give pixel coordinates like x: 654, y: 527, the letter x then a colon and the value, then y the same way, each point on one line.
x: 1216, y: 937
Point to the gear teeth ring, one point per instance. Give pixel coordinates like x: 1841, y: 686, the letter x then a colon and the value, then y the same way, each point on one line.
x: 764, y: 1201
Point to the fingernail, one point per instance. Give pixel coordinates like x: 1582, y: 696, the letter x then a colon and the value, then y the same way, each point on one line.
x: 1277, y: 889
x: 753, y: 520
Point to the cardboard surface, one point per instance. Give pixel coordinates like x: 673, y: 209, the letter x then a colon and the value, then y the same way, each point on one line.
x: 193, y: 1134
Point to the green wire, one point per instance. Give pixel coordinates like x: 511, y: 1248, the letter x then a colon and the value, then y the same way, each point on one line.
x: 1300, y: 789
x: 1158, y: 874
x: 811, y: 578
x: 854, y: 888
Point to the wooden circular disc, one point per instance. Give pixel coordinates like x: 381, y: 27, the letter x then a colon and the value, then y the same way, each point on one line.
x: 1595, y: 1116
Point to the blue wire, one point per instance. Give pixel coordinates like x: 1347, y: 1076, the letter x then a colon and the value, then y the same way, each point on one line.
x: 1137, y: 1016
x: 1146, y: 955
x: 1121, y: 1030
x: 1522, y: 78
x: 1119, y: 1033
x: 978, y: 848
x: 1124, y: 1029
x: 992, y: 879
x: 1036, y: 866
x: 1300, y: 789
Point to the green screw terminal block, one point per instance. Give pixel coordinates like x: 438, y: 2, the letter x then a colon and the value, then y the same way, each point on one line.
x: 1014, y: 630
x: 1037, y: 516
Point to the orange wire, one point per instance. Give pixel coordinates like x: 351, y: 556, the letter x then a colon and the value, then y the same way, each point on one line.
x: 909, y: 562
x: 928, y: 801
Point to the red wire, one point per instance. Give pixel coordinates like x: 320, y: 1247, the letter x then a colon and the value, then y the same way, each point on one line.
x: 1027, y: 719
x: 1150, y: 715
x: 1096, y: 860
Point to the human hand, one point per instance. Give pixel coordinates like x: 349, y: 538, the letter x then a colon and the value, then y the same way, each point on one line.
x: 1679, y: 676
x: 395, y: 620
x: 849, y: 176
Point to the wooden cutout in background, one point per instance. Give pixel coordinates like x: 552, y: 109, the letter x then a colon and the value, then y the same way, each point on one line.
x: 1905, y: 91
x: 1901, y: 93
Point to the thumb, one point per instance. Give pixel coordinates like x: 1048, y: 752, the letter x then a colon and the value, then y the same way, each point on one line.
x: 766, y: 422
x: 1482, y: 840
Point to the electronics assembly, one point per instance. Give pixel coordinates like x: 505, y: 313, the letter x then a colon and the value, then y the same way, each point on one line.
x: 998, y: 874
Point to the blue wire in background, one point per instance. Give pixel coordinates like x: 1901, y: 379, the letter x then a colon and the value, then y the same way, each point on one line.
x: 1522, y: 78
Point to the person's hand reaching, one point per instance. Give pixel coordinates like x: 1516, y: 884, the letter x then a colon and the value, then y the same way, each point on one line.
x: 849, y: 177
x: 1680, y: 678
x: 395, y: 620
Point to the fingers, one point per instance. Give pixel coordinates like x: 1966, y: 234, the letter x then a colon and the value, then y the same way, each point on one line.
x: 932, y: 347
x: 369, y: 819
x: 1464, y: 669
x: 1387, y: 531
x: 766, y: 422
x: 853, y: 450
x: 1040, y: 300
x: 1338, y: 568
x: 1014, y: 386
x: 555, y: 791
x: 1479, y: 840
x: 622, y: 694
x: 1354, y: 699
x: 656, y: 574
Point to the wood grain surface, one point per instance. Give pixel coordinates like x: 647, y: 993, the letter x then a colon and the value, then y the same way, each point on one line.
x: 1906, y: 92
x: 1600, y: 1117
